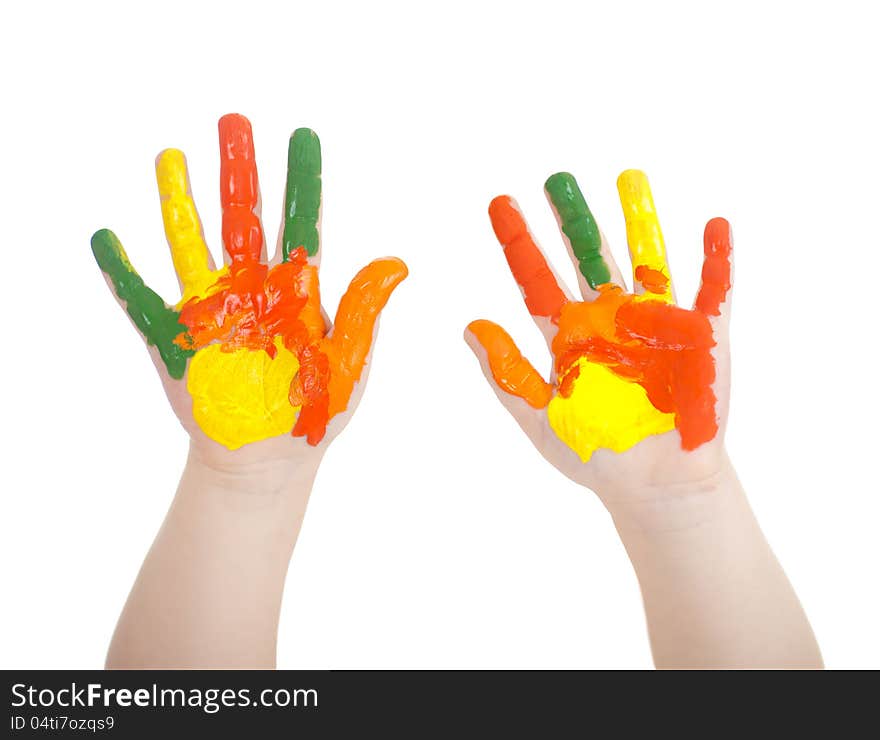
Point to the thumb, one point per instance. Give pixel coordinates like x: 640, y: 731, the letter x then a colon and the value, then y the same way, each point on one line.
x: 519, y: 387
x: 351, y: 337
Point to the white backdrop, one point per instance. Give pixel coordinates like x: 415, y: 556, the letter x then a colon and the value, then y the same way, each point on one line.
x: 436, y: 535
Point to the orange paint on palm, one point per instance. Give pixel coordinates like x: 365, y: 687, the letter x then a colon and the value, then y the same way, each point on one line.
x: 541, y: 292
x: 250, y: 307
x: 663, y: 348
x: 253, y: 305
x: 513, y: 372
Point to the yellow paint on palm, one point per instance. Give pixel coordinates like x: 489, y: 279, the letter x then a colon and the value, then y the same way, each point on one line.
x: 183, y: 228
x: 646, y: 246
x: 604, y: 410
x: 242, y: 396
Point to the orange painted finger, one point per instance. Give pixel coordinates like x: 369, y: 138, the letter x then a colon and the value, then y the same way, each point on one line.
x: 239, y: 190
x: 541, y: 292
x: 717, y: 248
x: 513, y: 372
x: 352, y: 336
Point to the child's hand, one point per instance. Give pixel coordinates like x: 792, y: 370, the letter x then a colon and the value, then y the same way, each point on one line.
x: 639, y: 387
x: 247, y: 354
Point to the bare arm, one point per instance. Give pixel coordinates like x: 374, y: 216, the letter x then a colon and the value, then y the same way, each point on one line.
x: 209, y: 592
x: 715, y: 596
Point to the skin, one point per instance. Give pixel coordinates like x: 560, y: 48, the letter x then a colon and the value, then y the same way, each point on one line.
x: 715, y: 596
x: 261, y: 400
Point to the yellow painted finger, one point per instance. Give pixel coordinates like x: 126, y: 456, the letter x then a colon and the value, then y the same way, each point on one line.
x: 182, y: 226
x: 646, y: 247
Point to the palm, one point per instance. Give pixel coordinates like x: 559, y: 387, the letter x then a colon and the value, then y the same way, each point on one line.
x: 639, y: 386
x: 247, y: 355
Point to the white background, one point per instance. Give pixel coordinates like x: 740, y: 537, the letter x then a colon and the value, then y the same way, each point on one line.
x: 436, y: 535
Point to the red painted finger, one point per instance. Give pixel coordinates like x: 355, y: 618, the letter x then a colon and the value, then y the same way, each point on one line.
x: 717, y: 247
x: 239, y: 189
x: 541, y: 292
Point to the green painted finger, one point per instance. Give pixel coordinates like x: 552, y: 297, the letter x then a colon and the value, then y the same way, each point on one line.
x: 302, y: 199
x: 158, y: 323
x: 579, y: 226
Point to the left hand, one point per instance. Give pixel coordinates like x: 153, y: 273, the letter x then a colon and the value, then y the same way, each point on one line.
x: 247, y: 356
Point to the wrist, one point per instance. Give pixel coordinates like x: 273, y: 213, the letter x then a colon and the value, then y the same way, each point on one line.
x: 251, y: 504
x: 677, y: 507
x: 272, y: 467
x: 714, y: 594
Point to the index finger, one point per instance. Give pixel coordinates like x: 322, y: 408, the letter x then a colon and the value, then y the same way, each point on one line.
x: 541, y: 291
x: 646, y: 246
x: 302, y: 197
x: 239, y: 190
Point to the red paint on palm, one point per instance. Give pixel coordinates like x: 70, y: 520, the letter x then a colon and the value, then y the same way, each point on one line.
x: 663, y: 348
x: 252, y: 306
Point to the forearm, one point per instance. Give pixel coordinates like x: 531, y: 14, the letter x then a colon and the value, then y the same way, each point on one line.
x: 715, y: 596
x: 209, y: 591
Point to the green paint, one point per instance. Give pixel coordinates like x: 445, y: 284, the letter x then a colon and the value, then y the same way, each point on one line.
x: 579, y: 226
x: 158, y: 323
x: 303, y: 196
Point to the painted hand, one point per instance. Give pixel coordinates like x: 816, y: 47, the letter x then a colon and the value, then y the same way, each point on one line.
x: 639, y: 386
x: 246, y: 355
